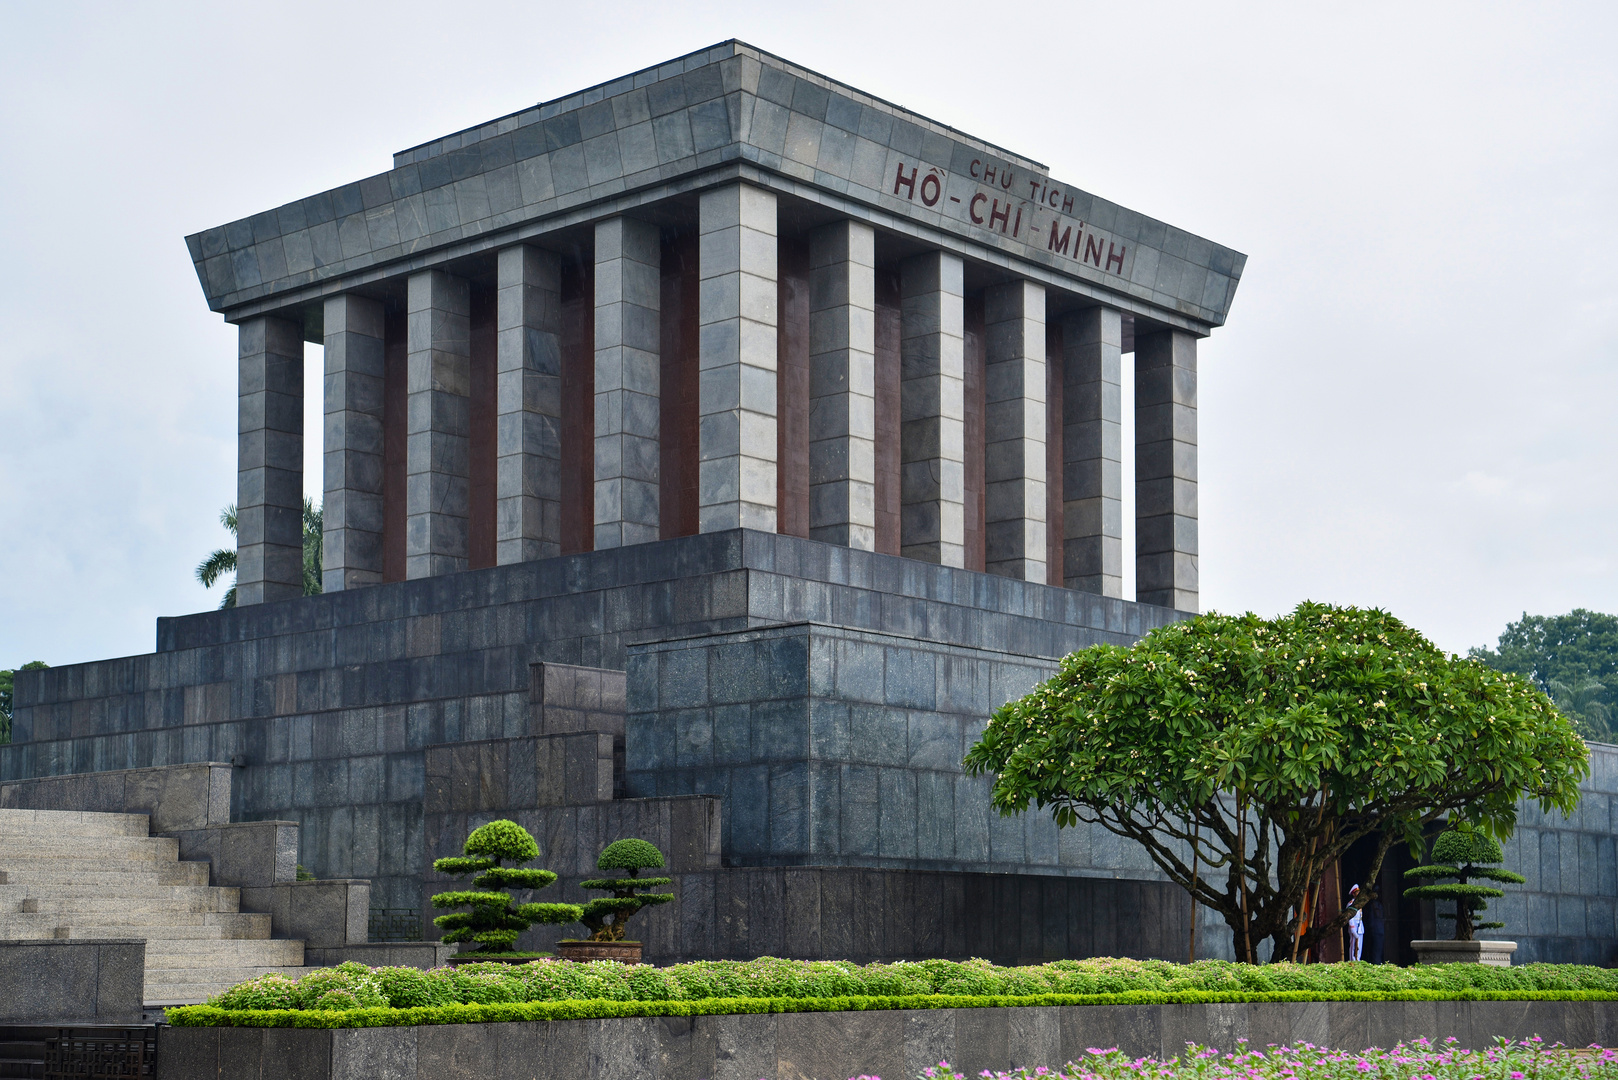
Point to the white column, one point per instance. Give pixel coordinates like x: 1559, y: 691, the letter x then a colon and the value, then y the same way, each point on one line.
x: 842, y: 384
x: 1014, y: 430
x: 269, y: 461
x: 439, y: 418
x: 528, y: 354
x: 737, y: 326
x: 351, y: 547
x: 1092, y: 451
x: 627, y: 379
x: 1166, y: 469
x: 932, y: 483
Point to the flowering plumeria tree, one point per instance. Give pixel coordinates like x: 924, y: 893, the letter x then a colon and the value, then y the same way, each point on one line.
x: 1247, y: 755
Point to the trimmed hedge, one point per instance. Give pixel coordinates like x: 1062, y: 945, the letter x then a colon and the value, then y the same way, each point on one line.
x: 355, y: 991
x: 211, y: 1016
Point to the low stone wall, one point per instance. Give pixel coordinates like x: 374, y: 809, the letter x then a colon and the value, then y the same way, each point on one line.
x: 191, y: 796
x: 102, y: 980
x: 835, y: 1046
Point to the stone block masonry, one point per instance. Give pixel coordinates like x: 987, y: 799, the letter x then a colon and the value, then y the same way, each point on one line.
x: 829, y: 1046
x: 737, y: 335
x: 438, y: 484
x: 269, y: 470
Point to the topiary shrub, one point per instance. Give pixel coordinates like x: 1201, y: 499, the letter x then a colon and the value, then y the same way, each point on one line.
x: 1463, y: 854
x: 492, y: 918
x: 605, y: 917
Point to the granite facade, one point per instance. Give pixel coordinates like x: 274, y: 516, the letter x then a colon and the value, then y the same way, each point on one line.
x: 331, y: 702
x: 784, y: 717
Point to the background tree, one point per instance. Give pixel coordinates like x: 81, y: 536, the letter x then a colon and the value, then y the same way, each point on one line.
x: 1270, y: 746
x: 1565, y: 655
x: 8, y: 679
x: 223, y: 560
x: 492, y: 918
x: 605, y: 917
x: 1463, y: 854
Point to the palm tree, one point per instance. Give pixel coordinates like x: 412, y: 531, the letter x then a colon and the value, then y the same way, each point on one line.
x: 223, y: 561
x: 1579, y: 701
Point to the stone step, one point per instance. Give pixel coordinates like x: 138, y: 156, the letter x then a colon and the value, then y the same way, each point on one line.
x: 199, y: 984
x: 182, y: 953
x: 150, y: 932
x: 92, y: 891
x: 27, y: 852
x: 200, y: 924
x: 184, y: 900
x: 56, y: 872
x: 57, y: 823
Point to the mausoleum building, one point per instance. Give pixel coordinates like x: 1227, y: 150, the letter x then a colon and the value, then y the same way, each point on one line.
x: 706, y: 455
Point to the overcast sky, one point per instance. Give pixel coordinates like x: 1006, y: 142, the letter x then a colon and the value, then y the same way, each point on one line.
x: 1411, y: 406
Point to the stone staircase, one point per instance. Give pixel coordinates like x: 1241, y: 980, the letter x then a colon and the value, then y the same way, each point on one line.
x: 72, y: 874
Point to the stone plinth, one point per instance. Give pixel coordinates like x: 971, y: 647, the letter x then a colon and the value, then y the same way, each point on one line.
x: 1493, y: 953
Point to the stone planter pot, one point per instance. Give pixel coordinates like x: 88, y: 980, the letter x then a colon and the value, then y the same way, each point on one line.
x: 625, y: 952
x: 1493, y: 953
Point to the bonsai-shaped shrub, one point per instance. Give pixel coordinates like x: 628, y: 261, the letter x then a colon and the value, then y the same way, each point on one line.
x: 1463, y: 853
x: 605, y: 917
x: 492, y: 918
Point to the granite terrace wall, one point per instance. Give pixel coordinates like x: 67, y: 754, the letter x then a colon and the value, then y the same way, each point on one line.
x: 853, y: 742
x: 330, y: 700
x: 833, y: 1046
x: 177, y: 797
x: 102, y: 981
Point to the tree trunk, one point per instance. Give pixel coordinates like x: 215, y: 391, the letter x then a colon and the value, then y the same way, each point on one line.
x: 1463, y: 915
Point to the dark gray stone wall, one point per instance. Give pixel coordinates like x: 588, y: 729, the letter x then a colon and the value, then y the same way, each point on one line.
x: 103, y: 980
x: 834, y: 1046
x: 331, y: 700
x: 1565, y: 913
x: 839, y: 747
x: 814, y: 700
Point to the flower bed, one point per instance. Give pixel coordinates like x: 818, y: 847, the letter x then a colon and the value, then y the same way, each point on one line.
x: 1420, y: 1060
x: 352, y: 995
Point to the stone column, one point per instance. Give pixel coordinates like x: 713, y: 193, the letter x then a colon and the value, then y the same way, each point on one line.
x: 528, y: 352
x: 1092, y: 451
x: 932, y: 482
x: 269, y: 461
x: 627, y: 342
x: 439, y: 416
x: 842, y: 385
x: 1166, y: 469
x: 351, y: 550
x: 737, y: 359
x: 1014, y: 414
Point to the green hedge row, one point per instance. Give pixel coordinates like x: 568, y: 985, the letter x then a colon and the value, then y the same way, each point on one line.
x: 354, y: 986
x: 212, y: 1016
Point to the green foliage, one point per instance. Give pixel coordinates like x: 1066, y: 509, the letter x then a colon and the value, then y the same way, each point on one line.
x: 8, y: 677
x: 605, y: 917
x: 554, y: 989
x: 493, y: 919
x: 303, y: 873
x: 1463, y: 853
x: 558, y: 990
x: 222, y: 561
x: 629, y: 854
x: 502, y: 840
x: 1272, y: 746
x: 1572, y: 657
